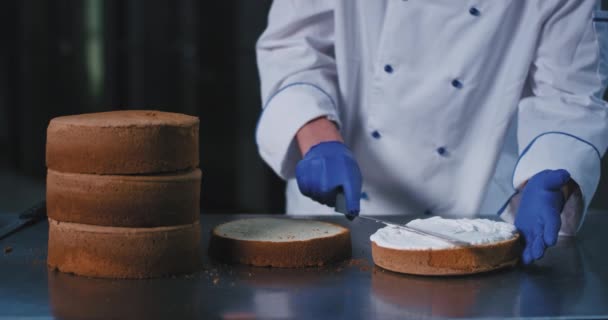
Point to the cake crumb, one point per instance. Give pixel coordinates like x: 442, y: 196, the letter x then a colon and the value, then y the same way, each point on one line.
x: 8, y: 249
x: 362, y: 264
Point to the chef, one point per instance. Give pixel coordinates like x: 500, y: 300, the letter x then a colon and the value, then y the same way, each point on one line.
x: 439, y: 107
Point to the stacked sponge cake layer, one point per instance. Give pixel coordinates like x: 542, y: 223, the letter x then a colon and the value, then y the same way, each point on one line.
x: 123, y: 192
x: 117, y: 252
x: 123, y: 142
x: 124, y: 200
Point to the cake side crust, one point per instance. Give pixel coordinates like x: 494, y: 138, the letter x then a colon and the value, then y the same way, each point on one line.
x: 453, y: 261
x: 124, y: 201
x: 143, y: 149
x: 116, y: 254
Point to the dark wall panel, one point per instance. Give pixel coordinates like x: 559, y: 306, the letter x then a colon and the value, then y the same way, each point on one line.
x: 196, y: 57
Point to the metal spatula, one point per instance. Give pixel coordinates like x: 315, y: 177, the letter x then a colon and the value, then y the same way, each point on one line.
x: 24, y: 219
x: 341, y: 208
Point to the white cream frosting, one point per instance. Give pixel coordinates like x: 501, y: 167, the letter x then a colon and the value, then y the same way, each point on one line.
x: 472, y: 231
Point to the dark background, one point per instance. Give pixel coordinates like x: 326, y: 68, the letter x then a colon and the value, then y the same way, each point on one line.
x: 197, y: 57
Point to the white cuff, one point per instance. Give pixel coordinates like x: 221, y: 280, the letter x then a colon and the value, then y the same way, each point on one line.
x: 559, y: 150
x: 286, y: 111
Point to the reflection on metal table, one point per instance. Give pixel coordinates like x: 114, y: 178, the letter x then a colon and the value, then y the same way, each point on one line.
x: 570, y: 282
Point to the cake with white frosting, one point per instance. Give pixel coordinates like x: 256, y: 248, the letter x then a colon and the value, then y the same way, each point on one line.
x: 492, y: 245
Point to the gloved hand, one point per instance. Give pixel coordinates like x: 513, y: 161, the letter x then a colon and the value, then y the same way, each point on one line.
x: 538, y: 218
x: 326, y: 169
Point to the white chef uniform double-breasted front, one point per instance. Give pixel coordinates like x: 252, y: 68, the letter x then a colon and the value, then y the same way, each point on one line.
x: 424, y: 93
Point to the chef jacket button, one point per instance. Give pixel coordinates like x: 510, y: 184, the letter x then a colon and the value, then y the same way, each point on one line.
x: 456, y: 84
x: 364, y: 196
x: 442, y: 151
x: 474, y: 12
x: 376, y: 134
x: 428, y: 212
x: 388, y: 68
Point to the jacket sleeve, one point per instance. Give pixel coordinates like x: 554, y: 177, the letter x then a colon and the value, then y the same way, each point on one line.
x: 295, y: 56
x: 564, y: 124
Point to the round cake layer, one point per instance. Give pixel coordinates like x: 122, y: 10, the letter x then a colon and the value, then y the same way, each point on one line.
x: 123, y: 142
x: 124, y: 201
x: 280, y: 242
x: 113, y: 252
x: 402, y: 251
x: 455, y: 261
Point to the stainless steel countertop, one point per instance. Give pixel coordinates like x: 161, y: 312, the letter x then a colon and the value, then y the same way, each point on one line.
x: 570, y: 282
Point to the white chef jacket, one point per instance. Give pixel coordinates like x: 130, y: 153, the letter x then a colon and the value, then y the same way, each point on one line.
x: 424, y: 93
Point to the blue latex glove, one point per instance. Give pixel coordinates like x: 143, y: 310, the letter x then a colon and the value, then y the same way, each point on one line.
x: 326, y: 169
x: 538, y: 217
